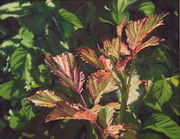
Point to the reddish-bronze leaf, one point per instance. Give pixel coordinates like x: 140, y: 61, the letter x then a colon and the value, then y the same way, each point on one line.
x: 101, y: 75
x: 96, y: 89
x: 114, y: 130
x: 89, y: 56
x: 64, y: 110
x: 44, y: 98
x: 120, y: 27
x: 137, y: 30
x: 66, y: 68
x: 121, y: 64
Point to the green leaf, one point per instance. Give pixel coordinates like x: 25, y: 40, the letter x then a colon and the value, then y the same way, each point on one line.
x: 16, y: 121
x: 13, y: 9
x: 26, y: 35
x: 71, y: 18
x: 105, y: 116
x: 12, y: 91
x: 105, y: 21
x: 162, y: 91
x: 175, y: 103
x: 145, y: 7
x: 175, y: 80
x: 44, y: 98
x: 28, y: 109
x: 162, y: 123
x: 20, y: 64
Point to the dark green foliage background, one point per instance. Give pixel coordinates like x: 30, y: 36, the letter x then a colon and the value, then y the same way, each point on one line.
x: 30, y: 31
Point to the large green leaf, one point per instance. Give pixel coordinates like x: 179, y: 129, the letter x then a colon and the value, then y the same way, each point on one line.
x: 145, y: 7
x: 21, y: 64
x: 28, y: 109
x: 162, y: 91
x: 71, y: 18
x: 13, y: 9
x: 162, y: 123
x: 12, y: 90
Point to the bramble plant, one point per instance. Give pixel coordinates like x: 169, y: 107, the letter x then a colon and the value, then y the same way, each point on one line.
x: 115, y: 70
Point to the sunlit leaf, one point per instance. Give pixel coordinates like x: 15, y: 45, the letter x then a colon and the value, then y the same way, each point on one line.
x: 64, y: 110
x: 89, y: 56
x: 96, y: 90
x: 137, y: 30
x: 70, y: 17
x: 119, y: 28
x: 44, y: 98
x: 114, y: 48
x: 113, y: 130
x: 102, y: 76
x: 65, y: 66
x: 162, y: 123
x: 162, y: 91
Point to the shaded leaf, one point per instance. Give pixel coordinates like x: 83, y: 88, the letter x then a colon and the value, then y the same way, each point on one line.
x: 105, y: 116
x: 70, y: 17
x: 44, y: 98
x: 121, y: 64
x: 162, y: 123
x: 102, y: 76
x: 65, y: 66
x: 96, y: 90
x: 64, y: 110
x: 162, y: 91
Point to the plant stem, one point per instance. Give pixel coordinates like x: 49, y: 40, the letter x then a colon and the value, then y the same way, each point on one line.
x: 125, y: 95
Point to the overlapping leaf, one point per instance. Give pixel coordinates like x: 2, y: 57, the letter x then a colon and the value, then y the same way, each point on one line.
x: 44, y: 98
x: 137, y: 31
x: 66, y: 68
x: 121, y: 64
x: 65, y: 110
x: 97, y: 89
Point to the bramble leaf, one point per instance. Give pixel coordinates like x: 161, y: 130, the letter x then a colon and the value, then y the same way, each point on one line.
x: 121, y: 64
x: 70, y: 17
x: 96, y: 90
x: 64, y: 110
x: 162, y: 123
x: 44, y: 98
x: 137, y: 31
x: 66, y: 68
x: 89, y: 56
x: 105, y: 116
x: 162, y: 91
